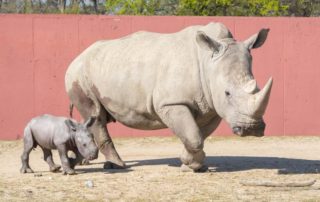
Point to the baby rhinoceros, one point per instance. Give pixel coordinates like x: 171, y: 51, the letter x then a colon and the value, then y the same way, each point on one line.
x: 51, y: 132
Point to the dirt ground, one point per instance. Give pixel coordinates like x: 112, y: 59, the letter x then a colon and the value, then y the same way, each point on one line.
x: 153, y: 172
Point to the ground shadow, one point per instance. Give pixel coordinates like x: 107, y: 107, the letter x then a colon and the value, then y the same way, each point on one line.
x: 84, y: 170
x: 242, y: 163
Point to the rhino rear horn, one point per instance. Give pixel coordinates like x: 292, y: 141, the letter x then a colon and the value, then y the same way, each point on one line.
x: 259, y: 101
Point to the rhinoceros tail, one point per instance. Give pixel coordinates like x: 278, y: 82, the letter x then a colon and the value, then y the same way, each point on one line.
x: 70, y: 109
x: 29, y: 141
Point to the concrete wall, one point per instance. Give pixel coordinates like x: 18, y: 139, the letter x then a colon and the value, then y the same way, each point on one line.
x: 35, y: 51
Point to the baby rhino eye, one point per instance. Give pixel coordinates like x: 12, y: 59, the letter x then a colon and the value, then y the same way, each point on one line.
x: 84, y: 145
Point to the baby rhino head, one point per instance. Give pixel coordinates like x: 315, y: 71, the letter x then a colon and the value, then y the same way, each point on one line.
x: 83, y: 138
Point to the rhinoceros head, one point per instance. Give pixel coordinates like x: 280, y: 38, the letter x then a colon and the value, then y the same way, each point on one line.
x: 84, y: 140
x: 231, y: 87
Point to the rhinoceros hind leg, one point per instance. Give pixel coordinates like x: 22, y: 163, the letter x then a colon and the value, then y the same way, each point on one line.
x: 28, y: 146
x: 180, y: 120
x: 90, y: 106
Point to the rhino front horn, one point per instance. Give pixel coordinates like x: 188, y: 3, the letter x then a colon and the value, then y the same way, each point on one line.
x: 260, y: 100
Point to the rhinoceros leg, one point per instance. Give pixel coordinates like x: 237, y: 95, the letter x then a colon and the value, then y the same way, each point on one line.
x: 63, y: 153
x: 210, y: 127
x: 90, y: 106
x: 106, y: 145
x: 180, y: 120
x: 47, y: 156
x: 206, y: 130
x: 78, y: 160
x: 28, y: 146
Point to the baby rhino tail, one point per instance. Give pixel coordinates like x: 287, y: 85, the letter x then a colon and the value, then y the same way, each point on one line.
x: 28, y: 138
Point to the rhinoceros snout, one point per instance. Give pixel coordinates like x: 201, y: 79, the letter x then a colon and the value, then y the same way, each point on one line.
x: 253, y: 130
x: 94, y: 155
x: 237, y: 130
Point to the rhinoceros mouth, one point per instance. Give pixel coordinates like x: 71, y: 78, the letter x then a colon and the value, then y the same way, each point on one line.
x: 249, y: 129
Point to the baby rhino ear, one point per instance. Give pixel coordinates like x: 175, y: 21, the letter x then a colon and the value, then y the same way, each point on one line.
x: 89, y: 122
x: 71, y: 125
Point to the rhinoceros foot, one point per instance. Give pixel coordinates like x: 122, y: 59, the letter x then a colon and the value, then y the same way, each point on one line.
x: 110, y: 165
x: 26, y: 170
x: 202, y: 169
x: 55, y: 168
x: 185, y: 168
x: 69, y: 172
x: 113, y: 159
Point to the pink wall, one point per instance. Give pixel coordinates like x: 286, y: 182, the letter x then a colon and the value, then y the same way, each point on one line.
x: 35, y: 51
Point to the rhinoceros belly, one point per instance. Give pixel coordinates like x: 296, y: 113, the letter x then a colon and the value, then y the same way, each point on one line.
x: 134, y: 117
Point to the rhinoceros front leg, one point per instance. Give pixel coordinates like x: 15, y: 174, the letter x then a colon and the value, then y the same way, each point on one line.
x: 78, y: 160
x: 62, y: 149
x: 180, y: 120
x: 207, y: 129
x: 47, y: 156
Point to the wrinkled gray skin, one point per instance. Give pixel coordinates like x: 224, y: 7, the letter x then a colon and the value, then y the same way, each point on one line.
x: 187, y: 81
x: 51, y: 132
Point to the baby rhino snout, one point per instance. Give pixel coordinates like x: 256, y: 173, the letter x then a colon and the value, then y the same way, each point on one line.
x: 94, y: 153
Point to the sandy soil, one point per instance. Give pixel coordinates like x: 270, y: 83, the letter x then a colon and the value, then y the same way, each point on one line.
x: 153, y: 172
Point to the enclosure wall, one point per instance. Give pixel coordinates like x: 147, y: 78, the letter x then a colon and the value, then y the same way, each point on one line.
x: 35, y: 51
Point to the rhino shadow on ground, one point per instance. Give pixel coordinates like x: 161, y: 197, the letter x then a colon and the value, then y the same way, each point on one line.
x: 101, y: 170
x: 243, y: 163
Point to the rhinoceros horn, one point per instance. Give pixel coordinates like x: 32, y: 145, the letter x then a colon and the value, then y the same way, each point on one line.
x: 258, y: 102
x: 251, y: 86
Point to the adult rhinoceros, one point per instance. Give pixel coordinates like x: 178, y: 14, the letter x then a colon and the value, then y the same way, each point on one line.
x: 187, y: 81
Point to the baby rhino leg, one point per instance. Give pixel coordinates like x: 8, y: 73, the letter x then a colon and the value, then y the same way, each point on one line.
x: 62, y: 149
x: 28, y: 145
x: 78, y: 160
x: 47, y: 156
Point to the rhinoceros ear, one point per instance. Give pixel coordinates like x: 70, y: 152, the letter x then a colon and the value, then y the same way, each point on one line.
x: 207, y: 43
x: 71, y: 125
x: 89, y: 122
x: 257, y: 40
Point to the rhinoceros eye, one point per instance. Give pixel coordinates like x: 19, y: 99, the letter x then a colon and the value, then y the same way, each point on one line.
x: 227, y: 93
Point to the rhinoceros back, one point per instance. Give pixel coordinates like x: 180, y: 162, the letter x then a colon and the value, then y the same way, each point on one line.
x: 48, y: 131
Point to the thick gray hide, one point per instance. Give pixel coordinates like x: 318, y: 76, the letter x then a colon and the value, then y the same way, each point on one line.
x: 51, y: 132
x: 187, y: 81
